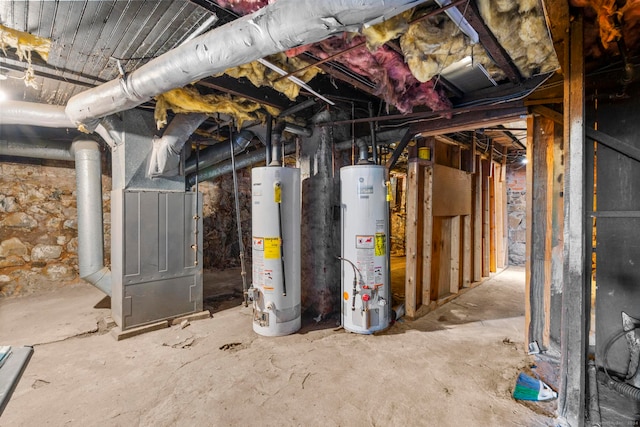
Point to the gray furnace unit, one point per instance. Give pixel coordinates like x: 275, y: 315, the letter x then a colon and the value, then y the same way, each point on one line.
x: 156, y: 235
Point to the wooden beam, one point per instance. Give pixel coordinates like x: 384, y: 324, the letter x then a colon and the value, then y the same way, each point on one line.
x: 548, y: 113
x: 556, y: 13
x: 395, y: 155
x: 576, y: 289
x: 491, y: 44
x: 543, y: 101
x: 413, y: 236
x: 489, y: 116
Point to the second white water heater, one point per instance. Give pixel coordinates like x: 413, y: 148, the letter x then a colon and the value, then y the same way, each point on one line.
x: 366, y: 294
x: 275, y: 223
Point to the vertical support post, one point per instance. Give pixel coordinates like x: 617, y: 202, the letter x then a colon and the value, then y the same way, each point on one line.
x: 477, y: 220
x: 466, y: 251
x: 454, y: 254
x: 413, y: 240
x: 492, y: 221
x: 528, y: 308
x: 427, y: 232
x: 575, y: 294
x: 486, y: 247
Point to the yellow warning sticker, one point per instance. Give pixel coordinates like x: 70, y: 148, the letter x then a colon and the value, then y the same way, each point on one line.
x: 380, y: 244
x: 271, y: 247
x: 277, y: 193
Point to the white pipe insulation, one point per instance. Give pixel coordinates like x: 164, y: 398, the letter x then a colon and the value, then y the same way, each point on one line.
x: 275, y: 28
x: 89, y: 204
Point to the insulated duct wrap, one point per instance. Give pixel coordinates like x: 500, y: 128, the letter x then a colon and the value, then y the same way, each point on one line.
x: 32, y: 114
x: 275, y: 28
x: 37, y: 149
x: 89, y: 205
x: 165, y: 154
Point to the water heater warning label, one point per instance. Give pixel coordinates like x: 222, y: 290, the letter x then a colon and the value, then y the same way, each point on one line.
x: 381, y: 244
x: 258, y: 243
x: 271, y: 247
x: 364, y: 242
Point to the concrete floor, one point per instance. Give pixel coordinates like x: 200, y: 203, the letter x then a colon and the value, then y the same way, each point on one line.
x: 455, y: 366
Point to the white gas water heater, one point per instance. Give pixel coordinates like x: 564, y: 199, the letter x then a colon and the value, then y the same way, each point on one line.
x: 275, y: 222
x: 366, y: 294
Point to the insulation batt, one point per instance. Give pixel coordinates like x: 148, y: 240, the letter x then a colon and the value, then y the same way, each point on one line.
x: 387, y: 70
x: 607, y: 13
x: 188, y: 100
x: 432, y: 44
x: 260, y: 75
x: 24, y: 44
x: 532, y: 50
x: 379, y: 34
x: 243, y: 7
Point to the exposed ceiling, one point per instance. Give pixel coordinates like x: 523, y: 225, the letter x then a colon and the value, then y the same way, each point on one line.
x: 420, y: 70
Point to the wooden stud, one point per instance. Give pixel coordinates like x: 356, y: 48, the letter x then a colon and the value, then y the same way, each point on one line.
x: 486, y: 248
x: 466, y: 253
x: 413, y: 244
x: 427, y: 233
x: 454, y: 254
x: 477, y: 221
x: 492, y: 224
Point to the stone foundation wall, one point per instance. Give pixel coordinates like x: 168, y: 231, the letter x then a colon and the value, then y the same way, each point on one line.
x: 517, y: 213
x: 221, y: 248
x: 38, y: 226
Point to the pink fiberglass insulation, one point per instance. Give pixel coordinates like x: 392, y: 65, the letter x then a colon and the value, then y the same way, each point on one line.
x: 243, y: 7
x: 386, y: 69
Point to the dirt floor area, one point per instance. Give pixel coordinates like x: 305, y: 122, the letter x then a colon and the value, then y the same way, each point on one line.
x: 456, y: 366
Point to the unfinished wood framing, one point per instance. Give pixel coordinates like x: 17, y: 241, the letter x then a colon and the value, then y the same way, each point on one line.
x: 413, y: 245
x: 540, y: 185
x: 427, y: 230
x: 476, y: 222
x: 576, y: 290
x: 486, y: 233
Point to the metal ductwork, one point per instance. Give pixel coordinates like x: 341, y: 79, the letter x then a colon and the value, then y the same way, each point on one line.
x: 33, y: 114
x: 275, y: 28
x: 220, y: 151
x: 89, y: 204
x: 37, y: 149
x: 276, y: 149
x: 165, y: 155
x: 363, y: 150
x: 51, y: 116
x: 241, y: 162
